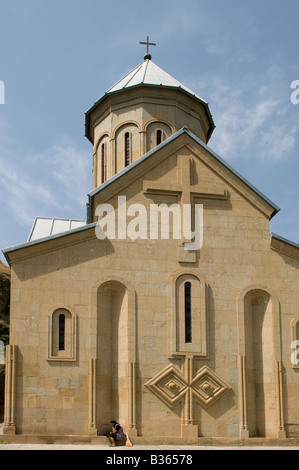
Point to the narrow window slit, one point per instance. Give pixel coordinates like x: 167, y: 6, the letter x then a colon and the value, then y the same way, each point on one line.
x: 61, y: 340
x: 127, y: 149
x: 188, y: 326
x: 159, y: 136
x: 103, y: 163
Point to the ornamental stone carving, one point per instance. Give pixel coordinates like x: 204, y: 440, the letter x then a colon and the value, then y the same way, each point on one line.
x: 171, y: 386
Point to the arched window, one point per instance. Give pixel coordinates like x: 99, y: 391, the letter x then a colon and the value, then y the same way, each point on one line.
x: 127, y: 148
x: 62, y: 335
x: 103, y: 164
x: 101, y: 161
x: 188, y: 318
x: 156, y: 133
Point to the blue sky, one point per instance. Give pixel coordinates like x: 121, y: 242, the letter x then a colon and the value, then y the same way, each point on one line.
x: 58, y: 57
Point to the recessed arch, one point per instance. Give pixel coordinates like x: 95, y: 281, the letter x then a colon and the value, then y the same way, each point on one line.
x: 158, y: 121
x: 113, y: 339
x: 123, y: 125
x: 156, y: 132
x: 260, y: 362
x: 105, y: 135
x: 275, y: 313
x: 102, y: 160
x: 127, y: 145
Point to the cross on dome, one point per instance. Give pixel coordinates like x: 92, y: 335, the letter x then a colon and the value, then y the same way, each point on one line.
x: 147, y: 43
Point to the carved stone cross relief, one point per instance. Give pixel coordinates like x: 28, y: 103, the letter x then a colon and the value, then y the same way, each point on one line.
x: 171, y: 386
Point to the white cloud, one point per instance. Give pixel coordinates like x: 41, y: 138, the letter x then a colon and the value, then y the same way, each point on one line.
x: 21, y: 193
x: 258, y: 126
x: 278, y: 141
x: 52, y: 183
x: 69, y: 169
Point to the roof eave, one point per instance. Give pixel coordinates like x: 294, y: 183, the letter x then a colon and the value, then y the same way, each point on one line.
x: 284, y: 240
x: 147, y: 85
x: 284, y: 247
x: 6, y: 251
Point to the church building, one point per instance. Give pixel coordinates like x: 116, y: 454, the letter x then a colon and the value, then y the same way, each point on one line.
x: 171, y: 308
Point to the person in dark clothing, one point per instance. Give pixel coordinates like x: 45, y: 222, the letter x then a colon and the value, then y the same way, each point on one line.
x: 117, y: 433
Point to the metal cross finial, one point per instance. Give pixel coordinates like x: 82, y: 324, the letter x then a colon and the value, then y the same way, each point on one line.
x: 147, y: 43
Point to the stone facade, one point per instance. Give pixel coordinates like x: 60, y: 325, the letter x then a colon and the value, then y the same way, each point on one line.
x: 172, y: 342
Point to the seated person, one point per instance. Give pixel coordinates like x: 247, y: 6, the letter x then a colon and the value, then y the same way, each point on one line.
x: 117, y: 433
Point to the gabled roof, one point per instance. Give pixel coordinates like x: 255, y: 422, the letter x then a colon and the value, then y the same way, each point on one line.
x: 126, y: 174
x: 166, y: 142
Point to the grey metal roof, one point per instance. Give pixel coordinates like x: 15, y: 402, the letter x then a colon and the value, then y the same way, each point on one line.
x: 6, y: 251
x: 148, y: 73
x: 45, y: 226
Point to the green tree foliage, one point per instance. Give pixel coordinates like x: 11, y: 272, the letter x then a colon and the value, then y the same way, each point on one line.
x: 4, y: 332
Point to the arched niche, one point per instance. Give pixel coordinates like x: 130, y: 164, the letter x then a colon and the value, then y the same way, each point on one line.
x: 261, y: 398
x: 114, y: 375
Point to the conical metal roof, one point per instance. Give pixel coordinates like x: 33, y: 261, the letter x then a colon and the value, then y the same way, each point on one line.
x: 148, y: 73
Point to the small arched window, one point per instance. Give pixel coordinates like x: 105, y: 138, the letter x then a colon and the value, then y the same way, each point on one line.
x: 156, y: 133
x: 62, y: 335
x: 127, y: 148
x: 188, y: 319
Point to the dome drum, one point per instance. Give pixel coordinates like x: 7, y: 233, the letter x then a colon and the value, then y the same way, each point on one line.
x: 138, y: 113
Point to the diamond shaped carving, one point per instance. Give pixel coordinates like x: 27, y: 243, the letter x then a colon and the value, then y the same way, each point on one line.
x: 207, y: 387
x: 169, y: 385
